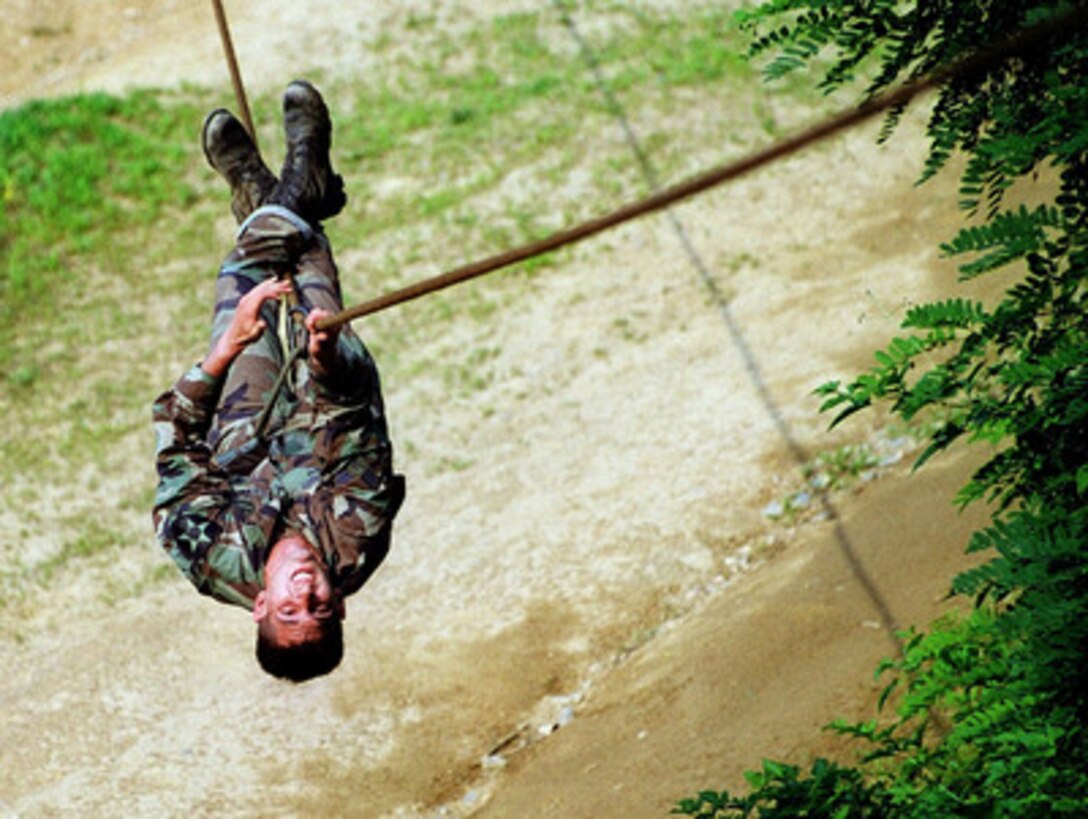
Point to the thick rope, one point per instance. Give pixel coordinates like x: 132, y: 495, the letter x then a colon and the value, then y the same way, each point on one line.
x: 981, y: 60
x: 232, y: 66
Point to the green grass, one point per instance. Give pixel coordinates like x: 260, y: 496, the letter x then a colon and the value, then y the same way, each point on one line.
x: 77, y: 175
x: 469, y: 142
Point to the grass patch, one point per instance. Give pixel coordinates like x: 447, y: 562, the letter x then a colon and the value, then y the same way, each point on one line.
x: 76, y: 175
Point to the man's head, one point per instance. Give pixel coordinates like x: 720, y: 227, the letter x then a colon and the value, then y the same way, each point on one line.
x: 298, y: 613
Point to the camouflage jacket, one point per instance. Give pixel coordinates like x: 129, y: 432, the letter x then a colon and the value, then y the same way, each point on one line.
x: 324, y: 470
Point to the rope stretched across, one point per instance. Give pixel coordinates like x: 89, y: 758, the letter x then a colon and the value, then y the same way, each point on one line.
x: 980, y: 60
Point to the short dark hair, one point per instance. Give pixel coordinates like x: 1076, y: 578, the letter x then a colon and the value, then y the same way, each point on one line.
x: 304, y: 661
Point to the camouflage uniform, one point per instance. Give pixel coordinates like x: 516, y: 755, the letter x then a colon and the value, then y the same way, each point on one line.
x: 325, y: 467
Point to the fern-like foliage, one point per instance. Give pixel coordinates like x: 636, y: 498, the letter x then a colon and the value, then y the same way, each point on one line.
x: 989, y: 711
x: 781, y: 790
x: 1003, y: 117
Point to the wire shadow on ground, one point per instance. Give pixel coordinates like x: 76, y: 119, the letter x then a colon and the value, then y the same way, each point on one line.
x: 736, y: 335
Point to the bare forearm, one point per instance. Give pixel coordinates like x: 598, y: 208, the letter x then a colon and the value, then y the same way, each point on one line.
x: 220, y: 357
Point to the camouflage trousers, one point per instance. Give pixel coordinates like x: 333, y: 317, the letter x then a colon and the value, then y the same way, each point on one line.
x: 272, y: 242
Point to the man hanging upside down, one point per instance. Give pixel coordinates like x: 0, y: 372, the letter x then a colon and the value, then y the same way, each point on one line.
x: 291, y: 521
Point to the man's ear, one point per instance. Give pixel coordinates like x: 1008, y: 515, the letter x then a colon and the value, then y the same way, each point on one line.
x: 260, y: 606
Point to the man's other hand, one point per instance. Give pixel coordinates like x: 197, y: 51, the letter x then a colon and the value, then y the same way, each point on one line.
x: 322, y: 348
x: 246, y: 326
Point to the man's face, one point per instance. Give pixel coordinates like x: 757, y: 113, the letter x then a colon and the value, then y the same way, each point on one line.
x: 297, y: 596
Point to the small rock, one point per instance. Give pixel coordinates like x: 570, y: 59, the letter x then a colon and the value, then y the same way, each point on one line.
x: 800, y: 500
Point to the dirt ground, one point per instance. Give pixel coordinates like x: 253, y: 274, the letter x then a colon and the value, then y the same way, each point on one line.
x: 597, y: 614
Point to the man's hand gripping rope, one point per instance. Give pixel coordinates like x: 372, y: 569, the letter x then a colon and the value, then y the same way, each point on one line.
x: 247, y: 326
x: 321, y: 344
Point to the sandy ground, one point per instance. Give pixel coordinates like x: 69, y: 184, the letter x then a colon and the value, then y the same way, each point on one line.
x: 591, y: 616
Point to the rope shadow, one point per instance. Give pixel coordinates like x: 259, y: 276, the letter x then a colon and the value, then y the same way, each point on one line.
x: 739, y: 341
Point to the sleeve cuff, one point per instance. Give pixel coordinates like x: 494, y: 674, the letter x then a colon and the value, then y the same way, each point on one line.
x: 197, y: 393
x: 349, y: 381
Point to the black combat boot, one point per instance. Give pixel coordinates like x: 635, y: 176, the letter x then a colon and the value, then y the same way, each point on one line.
x: 308, y: 185
x: 229, y: 150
